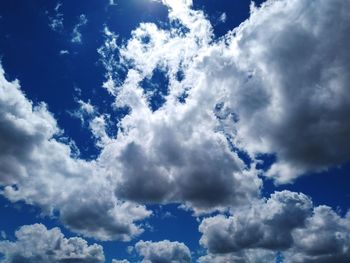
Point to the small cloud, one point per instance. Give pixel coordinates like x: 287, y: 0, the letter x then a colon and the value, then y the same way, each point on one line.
x: 64, y: 52
x: 130, y: 250
x: 58, y: 5
x: 3, y: 234
x: 86, y: 110
x: 76, y: 35
x: 223, y: 17
x: 167, y: 214
x: 56, y: 21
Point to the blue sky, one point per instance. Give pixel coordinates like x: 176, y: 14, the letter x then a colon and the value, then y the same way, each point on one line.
x: 174, y: 131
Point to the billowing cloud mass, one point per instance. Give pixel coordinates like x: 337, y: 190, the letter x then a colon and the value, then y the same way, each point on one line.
x: 37, y: 244
x: 324, y: 239
x: 264, y: 225
x: 40, y: 169
x: 177, y: 151
x: 163, y: 251
x: 287, y: 222
x: 294, y: 101
x: 201, y: 113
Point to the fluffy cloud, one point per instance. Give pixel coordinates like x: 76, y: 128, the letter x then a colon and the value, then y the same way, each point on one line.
x: 248, y: 256
x: 56, y: 21
x: 266, y: 224
x: 285, y: 222
x: 120, y: 261
x: 163, y: 251
x: 293, y: 101
x: 277, y: 84
x: 232, y: 94
x: 176, y: 152
x: 39, y: 167
x: 325, y: 239
x: 37, y: 244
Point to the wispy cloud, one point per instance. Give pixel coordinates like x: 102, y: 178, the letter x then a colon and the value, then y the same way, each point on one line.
x: 56, y: 21
x: 76, y: 35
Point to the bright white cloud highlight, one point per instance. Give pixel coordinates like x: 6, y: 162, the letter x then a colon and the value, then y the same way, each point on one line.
x: 286, y: 222
x: 37, y: 244
x: 76, y: 35
x: 163, y: 251
x: 35, y: 166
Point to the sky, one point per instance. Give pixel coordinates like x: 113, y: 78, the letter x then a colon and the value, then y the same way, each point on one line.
x: 174, y: 131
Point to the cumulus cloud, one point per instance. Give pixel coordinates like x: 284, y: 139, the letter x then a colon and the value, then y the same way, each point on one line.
x: 178, y: 151
x: 163, y: 251
x: 325, y: 239
x: 37, y: 166
x: 285, y: 97
x: 266, y: 224
x: 294, y: 100
x: 276, y: 85
x: 37, y: 244
x: 226, y: 95
x: 287, y: 222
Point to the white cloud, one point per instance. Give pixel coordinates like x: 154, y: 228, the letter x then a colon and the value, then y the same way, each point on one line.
x: 223, y: 17
x: 163, y: 251
x: 266, y: 224
x: 292, y: 98
x: 85, y: 111
x: 179, y: 144
x: 325, y: 239
x: 112, y: 2
x: 285, y: 222
x: 41, y: 170
x: 37, y: 244
x: 252, y: 79
x: 64, y: 52
x: 248, y: 256
x: 76, y: 35
x: 120, y: 261
x: 3, y: 234
x: 56, y: 21
x: 277, y: 84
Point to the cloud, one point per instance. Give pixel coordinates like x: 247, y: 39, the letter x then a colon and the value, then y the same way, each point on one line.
x: 36, y: 243
x: 64, y: 52
x: 286, y: 222
x: 248, y: 256
x: 76, y: 35
x: 293, y: 101
x: 237, y: 97
x: 37, y: 166
x: 266, y: 224
x: 112, y: 2
x: 275, y: 85
x: 325, y: 239
x: 56, y: 21
x: 178, y: 151
x: 163, y: 251
x: 286, y: 97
